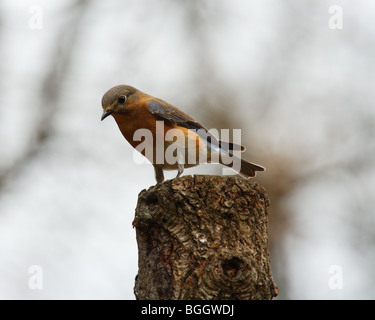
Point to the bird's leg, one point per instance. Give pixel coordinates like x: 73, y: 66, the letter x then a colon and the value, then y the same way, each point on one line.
x: 180, y: 164
x: 180, y: 170
x: 159, y: 174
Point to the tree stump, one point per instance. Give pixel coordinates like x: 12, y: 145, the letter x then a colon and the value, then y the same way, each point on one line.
x: 203, y: 237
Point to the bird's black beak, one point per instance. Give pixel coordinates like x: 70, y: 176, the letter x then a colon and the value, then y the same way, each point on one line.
x: 106, y: 113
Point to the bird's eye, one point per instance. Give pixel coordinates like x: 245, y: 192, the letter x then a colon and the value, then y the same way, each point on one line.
x: 122, y: 99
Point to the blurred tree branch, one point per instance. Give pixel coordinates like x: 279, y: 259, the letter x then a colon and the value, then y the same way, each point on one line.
x: 51, y: 88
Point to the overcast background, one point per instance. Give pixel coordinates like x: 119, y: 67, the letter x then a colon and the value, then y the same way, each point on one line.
x: 298, y: 83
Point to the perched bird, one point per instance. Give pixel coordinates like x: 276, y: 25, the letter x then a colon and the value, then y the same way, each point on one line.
x: 175, y: 140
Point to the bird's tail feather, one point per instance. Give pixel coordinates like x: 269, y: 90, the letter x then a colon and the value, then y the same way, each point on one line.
x: 244, y: 168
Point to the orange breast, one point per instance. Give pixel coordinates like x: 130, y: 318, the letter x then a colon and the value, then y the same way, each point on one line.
x: 132, y: 123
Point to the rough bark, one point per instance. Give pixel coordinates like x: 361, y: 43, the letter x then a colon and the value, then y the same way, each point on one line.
x: 203, y: 237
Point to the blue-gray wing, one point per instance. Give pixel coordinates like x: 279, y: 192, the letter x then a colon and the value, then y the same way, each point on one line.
x: 166, y: 112
x: 169, y: 113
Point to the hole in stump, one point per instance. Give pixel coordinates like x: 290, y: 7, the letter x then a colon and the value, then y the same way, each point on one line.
x: 231, y: 267
x: 152, y: 199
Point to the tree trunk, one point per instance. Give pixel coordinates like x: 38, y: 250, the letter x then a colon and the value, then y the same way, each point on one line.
x: 203, y: 237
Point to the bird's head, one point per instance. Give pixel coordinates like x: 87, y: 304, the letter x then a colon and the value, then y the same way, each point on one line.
x: 116, y: 100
